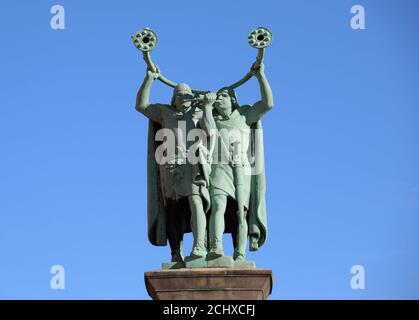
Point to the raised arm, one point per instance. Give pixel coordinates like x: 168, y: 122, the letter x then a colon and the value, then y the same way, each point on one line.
x: 267, y: 101
x: 143, y: 98
x: 207, y: 122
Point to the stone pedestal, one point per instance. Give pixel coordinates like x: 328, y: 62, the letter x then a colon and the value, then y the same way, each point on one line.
x: 209, y: 284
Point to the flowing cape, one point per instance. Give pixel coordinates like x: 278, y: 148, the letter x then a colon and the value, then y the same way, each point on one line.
x: 257, y: 206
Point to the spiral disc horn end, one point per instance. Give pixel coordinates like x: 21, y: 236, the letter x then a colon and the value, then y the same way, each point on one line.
x: 145, y: 40
x: 260, y: 38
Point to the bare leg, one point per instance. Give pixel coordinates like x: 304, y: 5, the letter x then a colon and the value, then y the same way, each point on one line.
x: 217, y: 225
x: 175, y: 241
x: 241, y: 239
x: 174, y: 232
x: 198, y: 225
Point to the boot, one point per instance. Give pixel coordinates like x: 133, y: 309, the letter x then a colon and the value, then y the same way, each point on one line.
x: 216, y: 248
x: 198, y: 251
x: 177, y: 256
x: 239, y: 256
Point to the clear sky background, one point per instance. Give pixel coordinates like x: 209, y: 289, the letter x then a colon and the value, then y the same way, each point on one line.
x: 342, y: 143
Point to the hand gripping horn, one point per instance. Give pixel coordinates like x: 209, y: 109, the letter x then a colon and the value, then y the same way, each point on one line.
x: 258, y: 38
x: 146, y: 40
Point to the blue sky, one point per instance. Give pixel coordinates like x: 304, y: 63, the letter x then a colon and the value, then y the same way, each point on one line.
x: 341, y: 143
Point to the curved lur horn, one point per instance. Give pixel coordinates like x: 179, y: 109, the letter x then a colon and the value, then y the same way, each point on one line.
x: 146, y: 40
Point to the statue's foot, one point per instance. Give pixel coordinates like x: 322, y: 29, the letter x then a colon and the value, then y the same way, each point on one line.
x: 177, y: 257
x: 238, y: 256
x: 198, y: 252
x: 216, y: 252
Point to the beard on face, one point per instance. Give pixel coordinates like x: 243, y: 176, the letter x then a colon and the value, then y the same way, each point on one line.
x: 181, y: 105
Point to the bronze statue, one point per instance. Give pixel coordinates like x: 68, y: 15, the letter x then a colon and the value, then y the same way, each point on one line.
x: 189, y: 180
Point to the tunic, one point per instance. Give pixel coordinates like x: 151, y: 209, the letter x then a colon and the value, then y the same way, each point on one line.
x: 232, y: 149
x: 178, y: 177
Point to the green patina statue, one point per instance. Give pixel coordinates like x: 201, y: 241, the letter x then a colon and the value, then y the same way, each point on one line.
x: 205, y: 164
x: 234, y: 178
x: 178, y: 190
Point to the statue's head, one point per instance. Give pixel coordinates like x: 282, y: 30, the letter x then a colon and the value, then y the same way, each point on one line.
x: 182, y: 97
x: 226, y: 101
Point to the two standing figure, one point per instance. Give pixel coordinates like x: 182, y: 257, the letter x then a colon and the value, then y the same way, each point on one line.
x: 206, y: 169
